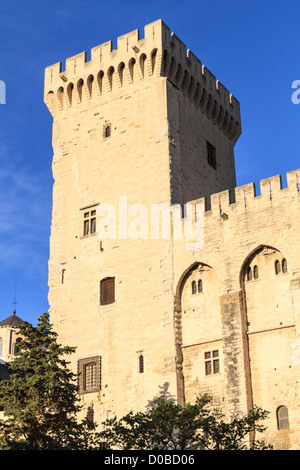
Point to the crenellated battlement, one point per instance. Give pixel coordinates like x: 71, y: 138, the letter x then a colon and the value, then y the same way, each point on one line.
x: 157, y: 54
x: 245, y: 197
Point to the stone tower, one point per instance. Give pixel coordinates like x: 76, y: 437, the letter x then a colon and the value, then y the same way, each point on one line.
x: 146, y: 122
x: 147, y: 126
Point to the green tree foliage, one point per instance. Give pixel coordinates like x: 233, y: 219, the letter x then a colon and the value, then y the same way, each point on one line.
x: 169, y: 426
x: 40, y: 400
x: 41, y: 404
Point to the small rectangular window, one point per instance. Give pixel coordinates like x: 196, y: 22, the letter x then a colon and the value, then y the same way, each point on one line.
x: 89, y: 222
x: 212, y: 362
x: 107, y: 291
x: 211, y: 155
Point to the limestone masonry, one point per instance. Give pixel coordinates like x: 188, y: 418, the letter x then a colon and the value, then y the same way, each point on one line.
x: 148, y: 124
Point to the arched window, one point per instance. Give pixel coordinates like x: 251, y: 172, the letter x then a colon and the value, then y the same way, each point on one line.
x: 60, y: 95
x: 153, y: 59
x: 142, y: 63
x: 90, y: 84
x: 63, y: 275
x: 100, y: 80
x: 282, y: 418
x: 17, y: 346
x: 79, y: 88
x: 249, y: 274
x: 194, y: 287
x: 179, y: 75
x: 121, y: 72
x: 284, y: 266
x: 277, y: 267
x: 141, y: 364
x: 131, y: 68
x: 200, y: 286
x: 110, y: 74
x: 70, y: 92
x: 106, y: 130
x: 255, y: 272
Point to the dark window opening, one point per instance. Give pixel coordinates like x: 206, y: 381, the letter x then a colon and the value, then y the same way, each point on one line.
x: 211, y: 155
x: 284, y: 266
x: 107, y: 291
x: 106, y: 131
x: 90, y: 417
x: 141, y: 364
x: 249, y: 274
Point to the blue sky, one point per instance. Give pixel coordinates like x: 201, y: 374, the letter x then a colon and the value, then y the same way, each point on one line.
x: 252, y: 47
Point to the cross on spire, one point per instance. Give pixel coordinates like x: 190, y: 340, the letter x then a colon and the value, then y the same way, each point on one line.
x: 15, y: 299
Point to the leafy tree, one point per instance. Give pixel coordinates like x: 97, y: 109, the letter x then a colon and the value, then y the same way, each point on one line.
x: 169, y: 426
x: 40, y: 400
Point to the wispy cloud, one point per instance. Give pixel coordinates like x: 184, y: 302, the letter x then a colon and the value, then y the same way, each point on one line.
x: 24, y: 215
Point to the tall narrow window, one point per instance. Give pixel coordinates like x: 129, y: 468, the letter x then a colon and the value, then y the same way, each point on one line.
x: 194, y: 287
x: 110, y: 75
x: 142, y: 64
x: 255, y: 272
x: 90, y: 376
x: 90, y: 417
x: 277, y: 267
x: 283, y: 418
x: 131, y: 68
x: 100, y: 80
x: 200, y: 286
x: 70, y: 92
x: 63, y: 275
x: 107, y: 291
x: 121, y: 72
x: 141, y: 364
x: 90, y: 84
x: 284, y: 266
x: 106, y: 130
x: 17, y: 346
x: 153, y: 59
x: 79, y: 88
x: 211, y: 155
x: 60, y: 95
